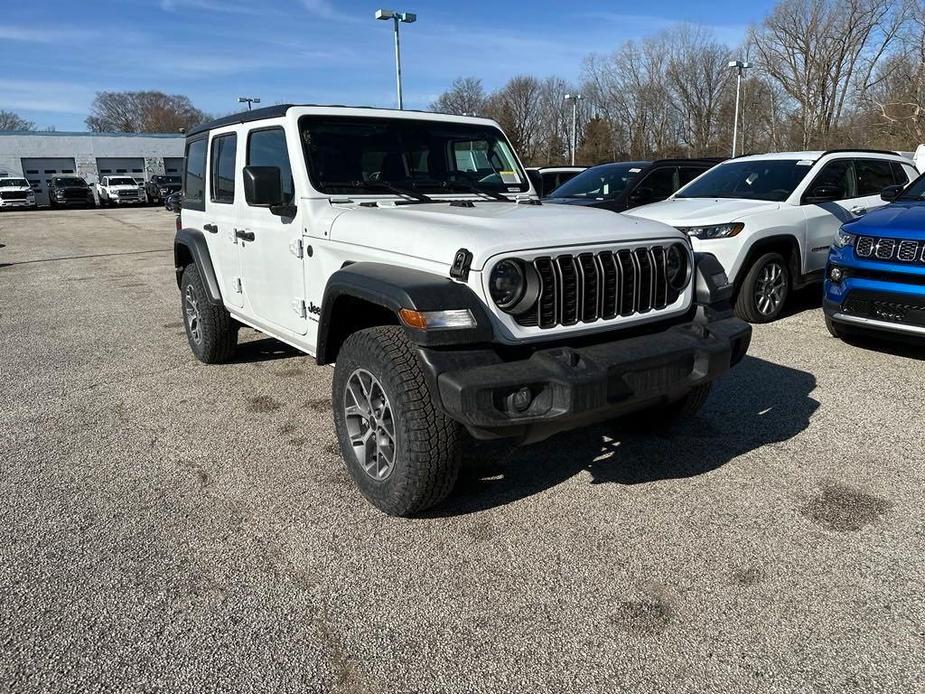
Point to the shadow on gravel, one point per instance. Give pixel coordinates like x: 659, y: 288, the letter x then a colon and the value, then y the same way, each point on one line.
x: 756, y: 404
x: 264, y: 349
x: 805, y: 299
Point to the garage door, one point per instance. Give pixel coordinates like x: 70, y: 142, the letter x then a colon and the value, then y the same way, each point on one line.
x: 39, y: 171
x: 129, y: 166
x: 173, y: 166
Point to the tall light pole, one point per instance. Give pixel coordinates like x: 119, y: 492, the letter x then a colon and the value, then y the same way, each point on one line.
x: 248, y: 100
x: 740, y: 66
x: 574, y: 98
x: 397, y: 17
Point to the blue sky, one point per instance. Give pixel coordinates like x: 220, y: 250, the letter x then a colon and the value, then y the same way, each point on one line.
x: 58, y: 54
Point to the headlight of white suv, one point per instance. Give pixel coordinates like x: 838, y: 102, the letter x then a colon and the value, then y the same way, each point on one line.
x: 843, y: 238
x: 713, y: 231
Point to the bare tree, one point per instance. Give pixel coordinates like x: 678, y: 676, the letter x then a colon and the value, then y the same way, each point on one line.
x: 516, y: 106
x: 142, y: 112
x: 13, y: 121
x: 465, y: 97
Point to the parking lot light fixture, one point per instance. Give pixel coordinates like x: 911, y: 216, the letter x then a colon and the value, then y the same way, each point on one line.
x: 397, y: 18
x: 248, y: 100
x: 574, y: 98
x: 740, y: 66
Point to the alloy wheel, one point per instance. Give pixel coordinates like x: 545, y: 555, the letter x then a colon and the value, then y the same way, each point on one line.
x: 769, y: 288
x: 370, y: 424
x: 191, y: 307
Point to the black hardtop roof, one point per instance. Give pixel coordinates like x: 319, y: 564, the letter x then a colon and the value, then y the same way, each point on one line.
x: 278, y: 111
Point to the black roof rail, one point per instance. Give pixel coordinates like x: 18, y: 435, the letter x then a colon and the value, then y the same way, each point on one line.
x: 861, y: 150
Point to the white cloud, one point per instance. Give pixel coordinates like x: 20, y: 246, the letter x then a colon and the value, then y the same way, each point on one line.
x: 326, y: 10
x: 43, y: 35
x: 226, y: 6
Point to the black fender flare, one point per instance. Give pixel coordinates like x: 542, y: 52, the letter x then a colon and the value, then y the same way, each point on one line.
x: 393, y: 287
x: 711, y: 284
x: 189, y: 245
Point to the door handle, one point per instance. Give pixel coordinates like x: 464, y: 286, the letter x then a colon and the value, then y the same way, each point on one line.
x: 211, y: 228
x: 244, y: 235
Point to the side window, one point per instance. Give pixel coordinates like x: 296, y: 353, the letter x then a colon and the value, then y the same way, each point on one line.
x: 224, y: 148
x: 837, y: 174
x: 899, y: 174
x: 194, y: 179
x: 550, y: 182
x: 268, y: 148
x: 662, y: 182
x: 689, y: 173
x: 873, y: 176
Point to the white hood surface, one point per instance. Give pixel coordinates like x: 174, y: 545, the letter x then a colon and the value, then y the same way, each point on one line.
x: 436, y: 231
x: 682, y: 212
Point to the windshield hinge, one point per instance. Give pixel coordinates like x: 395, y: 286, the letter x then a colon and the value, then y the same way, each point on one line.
x: 459, y: 270
x: 522, y: 199
x: 297, y: 247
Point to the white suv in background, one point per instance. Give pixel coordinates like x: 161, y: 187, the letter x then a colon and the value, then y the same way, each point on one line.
x: 15, y: 191
x: 120, y: 190
x: 770, y: 218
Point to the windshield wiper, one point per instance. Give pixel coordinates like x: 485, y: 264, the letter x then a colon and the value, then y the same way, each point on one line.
x: 472, y: 188
x: 384, y: 185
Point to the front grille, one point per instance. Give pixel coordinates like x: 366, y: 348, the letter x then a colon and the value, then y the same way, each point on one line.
x: 893, y: 308
x: 13, y: 194
x: 75, y: 193
x: 587, y: 287
x: 904, y: 251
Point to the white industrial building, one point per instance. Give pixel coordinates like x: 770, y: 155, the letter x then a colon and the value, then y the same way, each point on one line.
x: 37, y: 156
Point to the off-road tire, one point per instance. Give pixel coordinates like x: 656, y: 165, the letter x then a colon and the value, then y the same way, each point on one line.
x: 834, y: 330
x: 746, y: 306
x: 214, y: 339
x: 427, y: 443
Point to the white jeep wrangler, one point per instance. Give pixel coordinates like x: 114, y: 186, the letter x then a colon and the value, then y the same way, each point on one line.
x: 410, y: 250
x: 120, y: 190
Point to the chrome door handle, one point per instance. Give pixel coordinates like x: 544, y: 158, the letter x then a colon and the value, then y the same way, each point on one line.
x: 244, y: 235
x: 211, y: 228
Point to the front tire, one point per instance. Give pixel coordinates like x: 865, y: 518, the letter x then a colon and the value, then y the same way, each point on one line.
x: 210, y: 330
x: 402, y: 451
x: 764, y: 290
x: 833, y: 329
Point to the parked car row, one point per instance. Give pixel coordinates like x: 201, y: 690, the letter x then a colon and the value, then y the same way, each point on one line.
x: 74, y: 191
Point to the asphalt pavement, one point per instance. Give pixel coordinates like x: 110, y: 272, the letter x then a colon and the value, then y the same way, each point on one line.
x: 171, y: 526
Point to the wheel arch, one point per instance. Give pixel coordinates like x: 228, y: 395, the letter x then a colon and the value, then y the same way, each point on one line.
x: 786, y: 244
x: 364, y: 295
x: 189, y: 247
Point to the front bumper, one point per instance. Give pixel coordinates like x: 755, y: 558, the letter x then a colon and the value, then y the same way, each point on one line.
x: 572, y: 387
x: 17, y: 203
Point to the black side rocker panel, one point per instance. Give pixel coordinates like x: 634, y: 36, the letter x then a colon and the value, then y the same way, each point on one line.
x: 193, y: 243
x: 395, y: 288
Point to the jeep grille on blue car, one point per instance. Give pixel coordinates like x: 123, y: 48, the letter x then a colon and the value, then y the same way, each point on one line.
x: 590, y: 286
x: 905, y: 251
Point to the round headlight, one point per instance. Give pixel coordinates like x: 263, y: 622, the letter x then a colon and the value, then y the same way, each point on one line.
x: 507, y: 284
x: 676, y: 261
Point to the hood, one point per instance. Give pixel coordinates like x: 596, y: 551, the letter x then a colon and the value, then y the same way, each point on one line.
x: 2, y: 187
x: 436, y: 231
x: 585, y: 202
x: 900, y: 220
x: 123, y: 186
x: 693, y: 211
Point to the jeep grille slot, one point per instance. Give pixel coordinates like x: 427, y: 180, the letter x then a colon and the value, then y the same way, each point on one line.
x: 905, y: 251
x: 588, y: 287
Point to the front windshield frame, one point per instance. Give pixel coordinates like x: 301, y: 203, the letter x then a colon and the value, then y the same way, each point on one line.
x: 123, y: 181
x: 70, y: 181
x: 14, y: 183
x: 636, y: 169
x: 795, y: 165
x: 406, y: 129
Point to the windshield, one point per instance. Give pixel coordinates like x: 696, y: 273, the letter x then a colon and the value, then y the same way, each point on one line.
x: 372, y: 155
x: 70, y: 182
x: 122, y: 182
x: 754, y: 179
x: 166, y: 180
x: 915, y: 192
x: 604, y: 182
x: 17, y: 182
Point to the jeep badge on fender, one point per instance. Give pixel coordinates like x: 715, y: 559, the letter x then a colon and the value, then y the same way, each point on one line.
x: 451, y: 303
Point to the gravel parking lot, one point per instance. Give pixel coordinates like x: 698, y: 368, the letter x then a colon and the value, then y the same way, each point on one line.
x: 173, y: 526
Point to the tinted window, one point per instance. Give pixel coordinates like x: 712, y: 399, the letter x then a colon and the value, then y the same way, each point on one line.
x: 268, y: 148
x: 605, y: 182
x: 899, y: 174
x: 550, y: 181
x: 873, y: 176
x: 223, y: 153
x: 751, y: 179
x: 659, y: 184
x: 836, y: 174
x: 195, y: 178
x: 689, y: 173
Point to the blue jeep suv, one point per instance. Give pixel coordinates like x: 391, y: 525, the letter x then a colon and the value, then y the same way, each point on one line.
x: 875, y: 277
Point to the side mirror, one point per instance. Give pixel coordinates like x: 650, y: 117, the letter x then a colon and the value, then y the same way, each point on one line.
x: 263, y: 188
x: 890, y: 193
x: 824, y: 193
x: 537, y: 180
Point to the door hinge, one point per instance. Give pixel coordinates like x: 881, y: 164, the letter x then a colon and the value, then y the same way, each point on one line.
x: 298, y: 305
x: 297, y: 247
x: 236, y: 283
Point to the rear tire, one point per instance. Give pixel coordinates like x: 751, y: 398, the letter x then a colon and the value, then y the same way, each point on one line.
x: 210, y: 330
x: 402, y: 451
x: 764, y: 291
